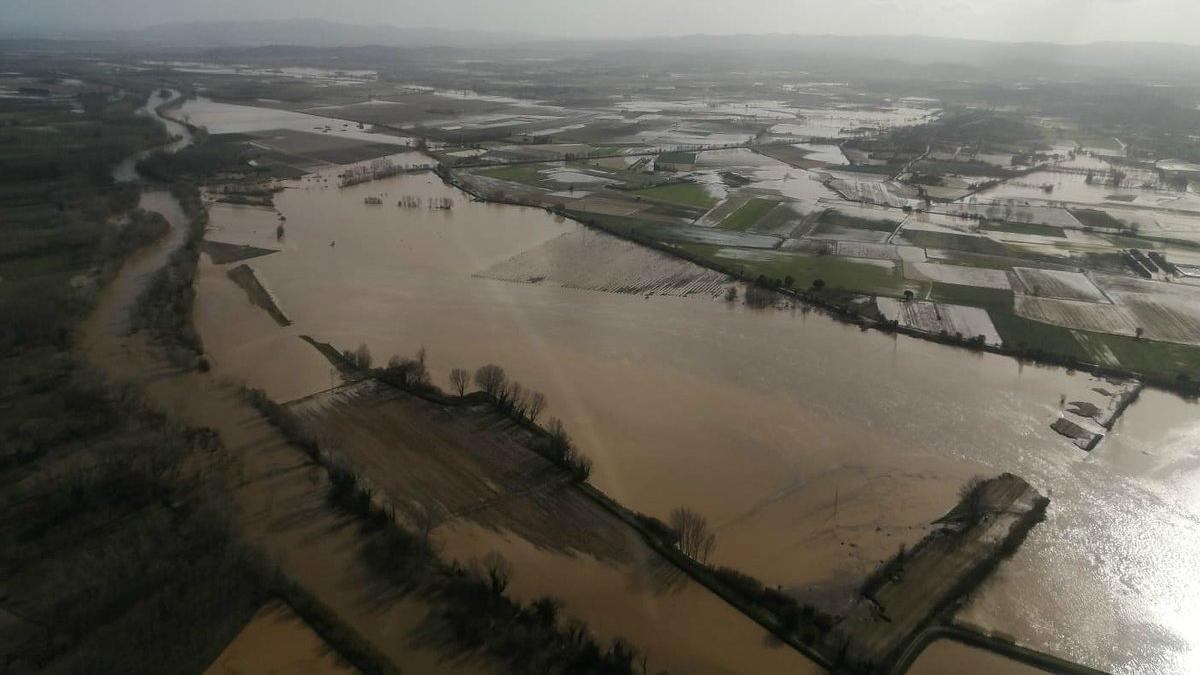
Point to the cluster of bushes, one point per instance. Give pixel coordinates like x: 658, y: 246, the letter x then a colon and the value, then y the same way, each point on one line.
x: 165, y: 306
x: 509, y: 397
x: 83, y: 147
x: 58, y: 217
x: 39, y: 315
x: 281, y: 419
x: 201, y: 159
x: 115, y: 534
x: 138, y: 229
x: 759, y: 297
x: 804, y: 620
x: 472, y: 611
x: 557, y: 445
x: 410, y: 374
x: 880, y: 575
x: 476, y: 614
x: 525, y: 406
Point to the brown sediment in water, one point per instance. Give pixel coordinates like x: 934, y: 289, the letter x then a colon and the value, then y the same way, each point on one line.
x: 439, y: 463
x: 280, y: 505
x: 628, y: 268
x: 813, y: 448
x: 466, y: 472
x: 277, y: 640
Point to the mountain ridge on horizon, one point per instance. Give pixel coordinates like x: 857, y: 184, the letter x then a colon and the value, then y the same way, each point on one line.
x: 1143, y: 58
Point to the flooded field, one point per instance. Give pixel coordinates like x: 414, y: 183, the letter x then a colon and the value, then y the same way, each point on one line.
x: 815, y: 449
x: 277, y: 640
x: 227, y: 118
x: 481, y: 489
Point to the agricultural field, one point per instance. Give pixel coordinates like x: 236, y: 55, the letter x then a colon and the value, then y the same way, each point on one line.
x: 646, y: 234
x: 963, y: 227
x: 1056, y: 284
x: 688, y: 194
x: 749, y: 215
x: 600, y: 262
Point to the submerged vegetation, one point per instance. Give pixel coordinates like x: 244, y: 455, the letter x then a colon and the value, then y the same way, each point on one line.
x: 165, y: 307
x: 115, y: 532
x: 1048, y: 219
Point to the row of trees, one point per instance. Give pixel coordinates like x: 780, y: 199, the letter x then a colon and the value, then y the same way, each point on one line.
x: 526, y: 405
x: 690, y: 532
x: 509, y: 395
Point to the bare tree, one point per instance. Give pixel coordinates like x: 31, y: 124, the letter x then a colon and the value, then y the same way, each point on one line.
x: 560, y: 442
x: 362, y: 357
x: 546, y: 609
x: 460, y: 379
x: 491, y: 379
x: 535, y: 405
x: 514, y: 395
x: 973, y: 502
x: 695, y: 540
x: 498, y: 571
x: 580, y: 465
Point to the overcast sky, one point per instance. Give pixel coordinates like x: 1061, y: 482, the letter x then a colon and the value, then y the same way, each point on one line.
x: 1069, y: 21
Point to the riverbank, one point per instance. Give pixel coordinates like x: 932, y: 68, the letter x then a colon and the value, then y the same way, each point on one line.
x: 915, y: 587
x: 837, y: 305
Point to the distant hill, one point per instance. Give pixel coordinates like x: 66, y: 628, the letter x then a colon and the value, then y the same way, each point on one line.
x: 1124, y: 56
x: 1027, y: 59
x: 311, y: 33
x: 915, y: 49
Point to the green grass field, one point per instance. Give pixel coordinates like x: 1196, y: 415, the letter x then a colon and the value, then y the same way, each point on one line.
x: 1024, y: 228
x: 688, y: 194
x: 1096, y: 218
x: 839, y: 274
x: 526, y: 174
x: 748, y: 215
x: 788, y: 154
x: 955, y: 242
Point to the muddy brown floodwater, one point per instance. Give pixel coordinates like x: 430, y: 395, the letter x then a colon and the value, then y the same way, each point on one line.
x: 814, y: 448
x: 947, y: 657
x: 277, y: 640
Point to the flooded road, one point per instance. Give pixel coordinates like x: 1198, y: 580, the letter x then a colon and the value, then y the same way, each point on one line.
x: 947, y: 657
x: 814, y: 448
